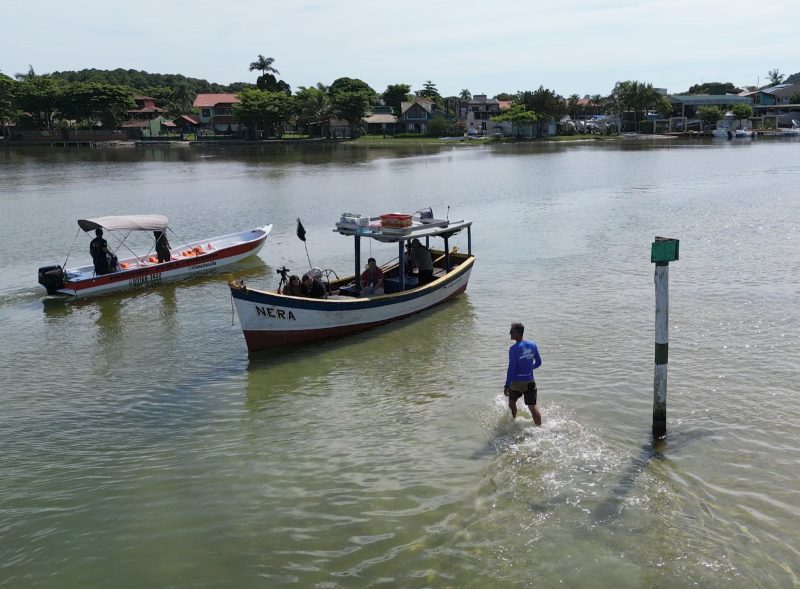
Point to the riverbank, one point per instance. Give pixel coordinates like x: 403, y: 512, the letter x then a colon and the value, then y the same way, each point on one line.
x: 363, y: 141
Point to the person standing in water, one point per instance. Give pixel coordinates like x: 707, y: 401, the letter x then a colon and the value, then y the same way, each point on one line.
x: 523, y: 359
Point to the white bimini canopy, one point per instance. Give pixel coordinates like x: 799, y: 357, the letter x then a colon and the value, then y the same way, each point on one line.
x: 126, y: 222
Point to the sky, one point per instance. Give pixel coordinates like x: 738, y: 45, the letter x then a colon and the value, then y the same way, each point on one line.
x: 569, y: 46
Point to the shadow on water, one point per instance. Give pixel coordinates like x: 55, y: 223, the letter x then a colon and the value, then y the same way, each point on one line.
x: 677, y: 439
x: 562, y: 446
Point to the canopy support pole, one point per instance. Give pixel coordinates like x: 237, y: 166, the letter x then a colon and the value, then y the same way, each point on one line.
x: 357, y: 274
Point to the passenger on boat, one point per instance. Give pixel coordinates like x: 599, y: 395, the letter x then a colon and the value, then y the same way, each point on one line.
x: 422, y: 257
x: 292, y: 287
x: 372, y: 279
x: 162, y: 246
x: 408, y: 259
x: 312, y: 287
x: 112, y: 262
x: 98, y: 248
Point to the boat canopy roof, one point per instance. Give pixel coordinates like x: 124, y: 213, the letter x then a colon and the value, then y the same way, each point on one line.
x: 126, y: 222
x: 419, y: 228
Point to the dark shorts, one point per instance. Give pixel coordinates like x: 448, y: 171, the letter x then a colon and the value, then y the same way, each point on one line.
x: 518, y: 389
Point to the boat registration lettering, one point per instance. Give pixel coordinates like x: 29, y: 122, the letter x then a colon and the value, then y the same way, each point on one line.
x: 275, y: 313
x: 146, y: 280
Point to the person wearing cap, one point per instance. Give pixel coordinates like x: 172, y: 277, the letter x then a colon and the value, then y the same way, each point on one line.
x: 523, y: 359
x: 422, y: 258
x: 98, y: 249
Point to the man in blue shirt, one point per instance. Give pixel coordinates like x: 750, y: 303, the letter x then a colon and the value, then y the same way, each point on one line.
x: 523, y: 359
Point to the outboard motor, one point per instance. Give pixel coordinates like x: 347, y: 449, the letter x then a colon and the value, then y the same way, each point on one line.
x: 52, y: 278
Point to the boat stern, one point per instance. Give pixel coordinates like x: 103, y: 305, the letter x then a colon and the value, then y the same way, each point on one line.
x: 52, y: 278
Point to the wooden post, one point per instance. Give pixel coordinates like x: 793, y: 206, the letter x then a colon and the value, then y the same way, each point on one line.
x: 664, y: 250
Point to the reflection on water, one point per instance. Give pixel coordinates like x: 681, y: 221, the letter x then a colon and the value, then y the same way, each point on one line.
x: 387, y: 358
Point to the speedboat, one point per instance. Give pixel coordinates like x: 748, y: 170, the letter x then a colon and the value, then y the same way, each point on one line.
x: 270, y: 319
x: 145, y: 270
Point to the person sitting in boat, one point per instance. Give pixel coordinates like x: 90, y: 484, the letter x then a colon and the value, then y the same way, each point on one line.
x: 422, y: 257
x: 293, y: 287
x: 162, y: 247
x: 98, y: 248
x: 312, y: 287
x: 372, y: 279
x: 408, y: 259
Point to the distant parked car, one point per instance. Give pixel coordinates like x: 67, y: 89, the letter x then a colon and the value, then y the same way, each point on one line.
x: 472, y: 132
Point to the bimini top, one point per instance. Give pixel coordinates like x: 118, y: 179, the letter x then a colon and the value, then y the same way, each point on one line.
x: 126, y: 222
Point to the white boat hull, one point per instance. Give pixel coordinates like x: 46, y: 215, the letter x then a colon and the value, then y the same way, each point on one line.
x: 144, y: 273
x: 271, y: 320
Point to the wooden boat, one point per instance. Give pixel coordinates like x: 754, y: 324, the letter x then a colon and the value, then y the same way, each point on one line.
x: 142, y: 271
x: 270, y: 319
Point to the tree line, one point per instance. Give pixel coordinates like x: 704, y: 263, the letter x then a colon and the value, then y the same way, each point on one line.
x: 102, y: 97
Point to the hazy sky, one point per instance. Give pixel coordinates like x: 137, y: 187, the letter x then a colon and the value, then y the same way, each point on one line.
x: 570, y: 46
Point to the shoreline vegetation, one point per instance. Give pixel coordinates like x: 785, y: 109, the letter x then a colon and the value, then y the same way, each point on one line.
x: 362, y: 141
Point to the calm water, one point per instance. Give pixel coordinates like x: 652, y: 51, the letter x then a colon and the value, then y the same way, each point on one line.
x: 142, y: 447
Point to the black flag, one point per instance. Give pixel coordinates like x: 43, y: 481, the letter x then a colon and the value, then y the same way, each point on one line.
x: 301, y: 231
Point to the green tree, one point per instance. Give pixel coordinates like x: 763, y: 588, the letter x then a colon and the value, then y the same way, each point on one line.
x: 430, y: 92
x: 710, y: 114
x: 352, y: 85
x: 7, y: 100
x: 465, y: 94
x: 795, y: 99
x: 30, y: 75
x: 270, y: 83
x: 775, y: 77
x: 572, y: 103
x: 635, y: 97
x: 714, y: 88
x: 597, y: 101
x: 94, y: 102
x: 351, y: 99
x: 272, y: 110
x: 505, y: 96
x: 263, y: 65
x: 395, y: 95
x: 742, y: 111
x: 545, y: 103
x: 664, y: 107
x: 438, y: 125
x: 519, y: 117
x: 315, y: 109
x: 39, y: 98
x: 352, y: 107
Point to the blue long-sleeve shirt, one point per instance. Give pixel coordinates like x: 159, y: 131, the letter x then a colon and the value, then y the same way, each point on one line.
x: 523, y: 359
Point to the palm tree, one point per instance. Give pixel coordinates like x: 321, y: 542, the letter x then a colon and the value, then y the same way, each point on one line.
x: 29, y: 76
x: 315, y: 108
x: 264, y: 65
x: 465, y: 94
x: 573, y: 104
x: 775, y: 77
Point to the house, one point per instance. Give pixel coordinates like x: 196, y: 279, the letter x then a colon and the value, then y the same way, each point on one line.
x: 415, y: 116
x: 775, y: 95
x: 146, y: 109
x: 216, y: 112
x: 186, y: 123
x: 381, y: 121
x: 477, y: 112
x: 688, y: 104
